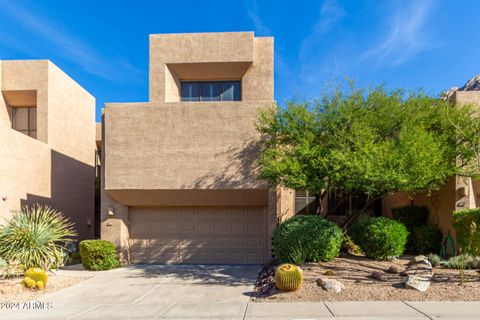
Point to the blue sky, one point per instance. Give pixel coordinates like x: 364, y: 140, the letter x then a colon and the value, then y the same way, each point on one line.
x: 103, y: 45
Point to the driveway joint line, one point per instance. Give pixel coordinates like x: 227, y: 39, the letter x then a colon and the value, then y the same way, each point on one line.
x: 426, y: 315
x: 84, y: 312
x: 161, y: 313
x: 245, y: 311
x: 326, y: 306
x: 146, y: 293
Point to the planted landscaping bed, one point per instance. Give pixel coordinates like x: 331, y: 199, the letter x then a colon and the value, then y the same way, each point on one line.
x: 11, y: 290
x: 355, y: 273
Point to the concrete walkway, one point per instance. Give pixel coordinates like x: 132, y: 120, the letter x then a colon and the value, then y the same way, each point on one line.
x: 207, y: 292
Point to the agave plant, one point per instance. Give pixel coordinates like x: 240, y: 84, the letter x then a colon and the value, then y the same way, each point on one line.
x: 36, y: 237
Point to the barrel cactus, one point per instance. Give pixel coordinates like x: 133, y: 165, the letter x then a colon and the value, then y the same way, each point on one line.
x: 29, y: 282
x: 37, y: 274
x: 40, y: 285
x: 288, y: 277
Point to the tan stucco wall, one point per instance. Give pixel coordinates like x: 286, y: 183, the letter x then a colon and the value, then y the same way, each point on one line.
x: 170, y: 153
x: 182, y: 146
x: 441, y: 204
x: 58, y: 168
x: 211, y: 56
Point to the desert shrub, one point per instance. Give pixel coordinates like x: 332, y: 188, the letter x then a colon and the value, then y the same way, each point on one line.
x: 380, y: 238
x: 425, y: 239
x: 98, y: 255
x: 411, y: 215
x: 434, y: 259
x: 35, y: 237
x: 462, y: 262
x: 309, y: 238
x: 467, y: 229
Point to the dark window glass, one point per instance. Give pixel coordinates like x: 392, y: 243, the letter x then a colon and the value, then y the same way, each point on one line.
x: 24, y: 120
x: 231, y: 91
x: 190, y: 91
x: 210, y: 91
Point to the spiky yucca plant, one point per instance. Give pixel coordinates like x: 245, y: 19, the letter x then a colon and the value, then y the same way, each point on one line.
x: 35, y: 236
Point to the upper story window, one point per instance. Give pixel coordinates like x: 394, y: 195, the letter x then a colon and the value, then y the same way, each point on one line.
x: 24, y: 120
x: 211, y: 91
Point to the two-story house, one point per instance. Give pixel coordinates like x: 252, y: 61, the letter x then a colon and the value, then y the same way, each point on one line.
x: 47, y: 142
x: 179, y: 175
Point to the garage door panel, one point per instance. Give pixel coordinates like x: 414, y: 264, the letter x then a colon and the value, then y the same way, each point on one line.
x: 198, y: 235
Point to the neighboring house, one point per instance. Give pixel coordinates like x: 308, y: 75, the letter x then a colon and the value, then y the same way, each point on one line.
x: 179, y: 176
x: 47, y: 142
x: 459, y: 192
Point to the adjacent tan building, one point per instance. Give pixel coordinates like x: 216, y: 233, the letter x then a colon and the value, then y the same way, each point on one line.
x: 47, y: 142
x: 179, y: 176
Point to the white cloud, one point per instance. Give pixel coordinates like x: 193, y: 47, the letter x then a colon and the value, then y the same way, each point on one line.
x: 407, y: 34
x: 331, y: 12
x: 254, y: 14
x: 66, y: 46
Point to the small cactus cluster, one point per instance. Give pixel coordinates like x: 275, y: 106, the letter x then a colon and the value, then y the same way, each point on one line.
x: 288, y: 277
x: 35, y: 278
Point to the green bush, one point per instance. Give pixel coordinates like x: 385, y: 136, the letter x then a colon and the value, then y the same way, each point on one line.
x: 467, y: 229
x: 307, y: 238
x: 35, y: 237
x: 462, y: 262
x: 380, y: 238
x: 98, y: 255
x: 425, y: 239
x: 434, y: 259
x: 411, y: 215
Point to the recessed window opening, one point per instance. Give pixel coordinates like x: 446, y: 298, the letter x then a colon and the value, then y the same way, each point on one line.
x: 211, y: 91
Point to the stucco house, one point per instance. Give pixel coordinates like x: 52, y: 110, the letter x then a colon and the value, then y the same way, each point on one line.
x: 178, y: 172
x: 47, y: 142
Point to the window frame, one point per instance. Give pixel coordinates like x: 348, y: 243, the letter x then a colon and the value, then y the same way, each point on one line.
x: 29, y: 131
x: 200, y: 90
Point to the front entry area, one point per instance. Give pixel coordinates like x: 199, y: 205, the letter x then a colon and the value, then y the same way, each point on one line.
x: 198, y: 235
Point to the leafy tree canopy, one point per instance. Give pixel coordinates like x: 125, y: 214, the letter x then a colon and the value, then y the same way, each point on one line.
x: 372, y: 141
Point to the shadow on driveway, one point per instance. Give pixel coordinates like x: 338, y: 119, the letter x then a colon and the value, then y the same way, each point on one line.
x: 239, y: 275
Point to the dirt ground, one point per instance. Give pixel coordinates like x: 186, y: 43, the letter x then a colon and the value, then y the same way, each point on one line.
x: 354, y: 272
x: 55, y: 283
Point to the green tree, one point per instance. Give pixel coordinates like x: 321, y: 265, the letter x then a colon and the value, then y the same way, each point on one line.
x: 368, y: 141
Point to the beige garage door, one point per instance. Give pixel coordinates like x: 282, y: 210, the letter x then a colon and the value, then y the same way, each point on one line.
x: 198, y: 235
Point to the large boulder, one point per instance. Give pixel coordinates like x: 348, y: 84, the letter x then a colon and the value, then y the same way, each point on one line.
x: 417, y: 283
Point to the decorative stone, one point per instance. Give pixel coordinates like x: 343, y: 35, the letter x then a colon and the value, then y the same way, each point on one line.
x: 417, y: 259
x: 330, y: 285
x: 378, y: 275
x: 394, y: 269
x: 417, y: 283
x: 330, y: 273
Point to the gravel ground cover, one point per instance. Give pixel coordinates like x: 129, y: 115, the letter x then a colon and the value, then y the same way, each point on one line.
x: 355, y: 273
x: 12, y: 291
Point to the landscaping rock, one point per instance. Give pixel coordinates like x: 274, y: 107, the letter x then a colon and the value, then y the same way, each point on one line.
x: 394, y: 269
x: 417, y: 283
x: 417, y: 259
x: 330, y: 285
x: 378, y: 275
x: 330, y: 273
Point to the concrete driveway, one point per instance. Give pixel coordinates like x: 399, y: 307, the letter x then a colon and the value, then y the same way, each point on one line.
x: 210, y: 292
x: 150, y: 291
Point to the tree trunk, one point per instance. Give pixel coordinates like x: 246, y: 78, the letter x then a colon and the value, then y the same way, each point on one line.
x: 351, y: 218
x: 318, y: 204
